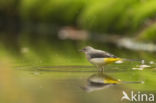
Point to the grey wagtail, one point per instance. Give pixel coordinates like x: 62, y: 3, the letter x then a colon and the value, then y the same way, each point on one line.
x: 99, y: 57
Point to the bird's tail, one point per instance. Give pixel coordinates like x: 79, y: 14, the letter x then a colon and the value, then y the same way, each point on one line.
x: 132, y: 82
x: 124, y: 59
x: 121, y: 60
x: 118, y: 60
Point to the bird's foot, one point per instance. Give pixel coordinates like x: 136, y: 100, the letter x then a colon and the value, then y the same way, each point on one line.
x: 101, y: 69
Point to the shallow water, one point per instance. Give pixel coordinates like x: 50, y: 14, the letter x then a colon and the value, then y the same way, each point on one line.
x: 54, y: 71
x: 70, y: 84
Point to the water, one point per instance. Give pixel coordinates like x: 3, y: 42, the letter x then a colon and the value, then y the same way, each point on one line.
x: 70, y: 84
x: 48, y: 70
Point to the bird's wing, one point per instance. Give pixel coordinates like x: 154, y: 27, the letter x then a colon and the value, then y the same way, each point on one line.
x: 101, y: 54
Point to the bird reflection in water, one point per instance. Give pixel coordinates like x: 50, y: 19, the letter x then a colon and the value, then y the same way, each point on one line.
x: 100, y: 81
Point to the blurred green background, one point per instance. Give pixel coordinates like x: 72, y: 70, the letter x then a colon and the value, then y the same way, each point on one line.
x: 29, y: 39
x: 31, y: 25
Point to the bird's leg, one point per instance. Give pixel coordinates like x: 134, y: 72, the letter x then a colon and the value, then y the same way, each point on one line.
x: 98, y: 70
x: 102, y: 68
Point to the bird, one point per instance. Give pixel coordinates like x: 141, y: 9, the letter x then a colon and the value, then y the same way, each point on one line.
x: 99, y: 58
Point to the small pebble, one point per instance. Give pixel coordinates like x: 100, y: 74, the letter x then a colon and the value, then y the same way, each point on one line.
x: 151, y: 62
x: 119, y: 62
x: 144, y: 66
x: 137, y: 68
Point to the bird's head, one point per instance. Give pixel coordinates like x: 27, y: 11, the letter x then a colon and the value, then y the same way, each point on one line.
x: 87, y: 49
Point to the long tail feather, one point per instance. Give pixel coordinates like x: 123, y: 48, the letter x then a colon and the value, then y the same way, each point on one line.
x: 133, y: 82
x: 124, y: 59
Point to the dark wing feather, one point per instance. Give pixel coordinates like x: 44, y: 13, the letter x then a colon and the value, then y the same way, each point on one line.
x: 101, y: 55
